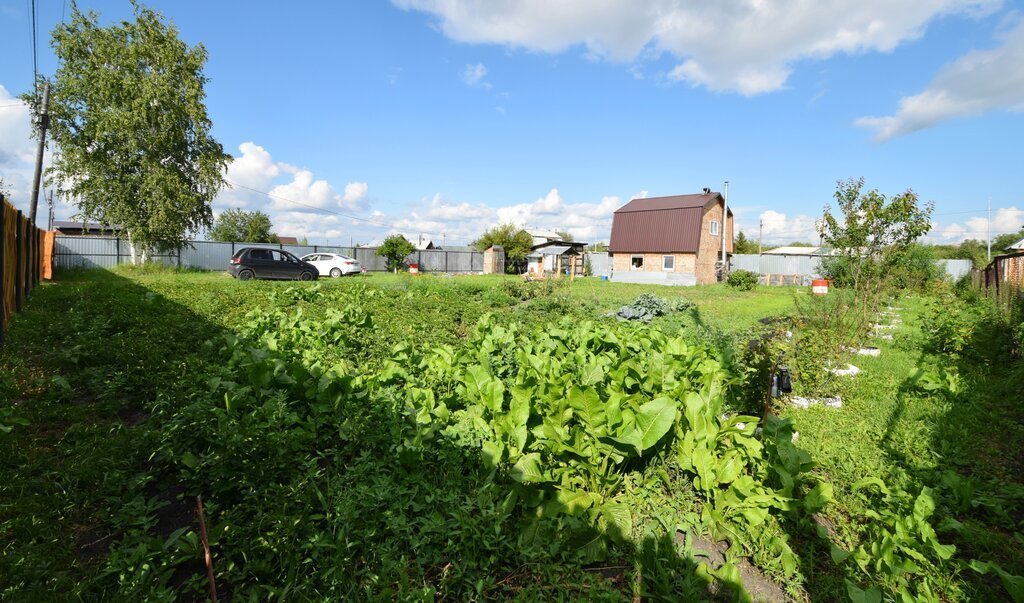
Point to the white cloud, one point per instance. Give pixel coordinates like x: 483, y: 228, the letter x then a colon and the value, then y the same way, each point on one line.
x: 778, y: 228
x: 354, y: 191
x: 474, y: 75
x: 459, y: 223
x: 974, y: 84
x: 1004, y: 220
x: 252, y: 175
x: 17, y: 148
x: 746, y: 46
x: 16, y: 144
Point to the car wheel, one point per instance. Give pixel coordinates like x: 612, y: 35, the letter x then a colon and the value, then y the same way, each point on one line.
x: 306, y: 276
x: 245, y: 275
x: 335, y: 272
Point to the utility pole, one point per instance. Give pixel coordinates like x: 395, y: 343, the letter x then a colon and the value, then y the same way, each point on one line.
x: 44, y: 120
x: 725, y: 222
x: 49, y: 220
x: 760, y: 233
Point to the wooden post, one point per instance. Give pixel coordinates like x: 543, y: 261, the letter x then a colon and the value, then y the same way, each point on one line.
x: 19, y: 263
x: 3, y: 267
x: 995, y: 275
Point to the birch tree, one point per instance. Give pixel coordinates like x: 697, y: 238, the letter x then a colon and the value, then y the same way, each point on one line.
x: 132, y: 134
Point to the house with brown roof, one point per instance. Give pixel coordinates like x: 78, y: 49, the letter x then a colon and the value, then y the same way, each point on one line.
x: 670, y: 240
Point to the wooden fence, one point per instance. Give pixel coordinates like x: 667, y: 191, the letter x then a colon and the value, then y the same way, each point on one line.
x: 1003, y: 278
x: 25, y: 253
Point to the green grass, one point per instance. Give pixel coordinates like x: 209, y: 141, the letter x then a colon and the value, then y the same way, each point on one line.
x: 109, y: 371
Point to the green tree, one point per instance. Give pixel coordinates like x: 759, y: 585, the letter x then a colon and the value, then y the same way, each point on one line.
x: 5, y: 189
x: 395, y: 249
x: 874, y: 236
x: 238, y: 225
x: 131, y: 130
x: 565, y: 235
x: 516, y: 242
x: 1001, y: 243
x: 743, y: 245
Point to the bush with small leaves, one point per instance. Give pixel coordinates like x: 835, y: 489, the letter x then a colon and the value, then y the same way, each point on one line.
x: 744, y: 280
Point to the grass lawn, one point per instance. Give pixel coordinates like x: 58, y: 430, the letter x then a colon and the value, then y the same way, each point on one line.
x: 130, y: 392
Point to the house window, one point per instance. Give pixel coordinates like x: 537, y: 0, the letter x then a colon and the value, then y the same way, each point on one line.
x: 668, y: 263
x: 714, y: 228
x: 636, y: 262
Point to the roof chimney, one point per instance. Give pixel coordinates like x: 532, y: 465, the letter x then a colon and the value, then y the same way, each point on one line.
x: 707, y: 191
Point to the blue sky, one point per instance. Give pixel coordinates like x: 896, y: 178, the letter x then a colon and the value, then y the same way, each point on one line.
x: 444, y: 117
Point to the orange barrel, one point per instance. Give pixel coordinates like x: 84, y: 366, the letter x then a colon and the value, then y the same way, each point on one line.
x: 819, y: 287
x: 414, y: 268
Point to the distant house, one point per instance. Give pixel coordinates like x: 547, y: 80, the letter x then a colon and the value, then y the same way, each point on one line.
x: 86, y: 229
x: 669, y: 240
x: 541, y: 236
x: 550, y: 255
x: 288, y: 240
x: 1018, y: 246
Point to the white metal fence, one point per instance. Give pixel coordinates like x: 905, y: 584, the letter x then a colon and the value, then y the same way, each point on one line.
x: 810, y: 265
x: 107, y: 252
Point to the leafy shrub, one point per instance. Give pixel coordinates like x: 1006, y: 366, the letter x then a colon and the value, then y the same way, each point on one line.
x: 949, y: 324
x: 914, y: 270
x: 565, y: 431
x: 900, y: 549
x: 744, y: 280
x: 681, y: 304
x: 645, y: 307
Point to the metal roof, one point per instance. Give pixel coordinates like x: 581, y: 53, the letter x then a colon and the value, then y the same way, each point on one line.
x: 795, y: 251
x: 1018, y: 246
x: 660, y: 224
x: 554, y: 250
x: 671, y: 202
x: 70, y: 224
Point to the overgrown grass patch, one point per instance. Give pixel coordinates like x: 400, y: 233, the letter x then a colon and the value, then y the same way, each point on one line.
x: 309, y: 416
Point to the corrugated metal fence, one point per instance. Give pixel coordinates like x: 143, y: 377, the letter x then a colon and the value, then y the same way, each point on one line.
x: 22, y: 254
x: 809, y: 266
x: 107, y: 252
x: 600, y: 263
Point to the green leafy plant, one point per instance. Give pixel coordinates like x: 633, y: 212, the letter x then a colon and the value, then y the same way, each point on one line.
x: 644, y: 308
x: 900, y: 548
x: 744, y: 280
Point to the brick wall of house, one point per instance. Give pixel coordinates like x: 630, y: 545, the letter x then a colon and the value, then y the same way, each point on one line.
x: 685, y: 263
x: 711, y: 246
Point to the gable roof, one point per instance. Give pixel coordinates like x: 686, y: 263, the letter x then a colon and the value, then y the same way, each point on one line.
x: 1018, y: 246
x: 661, y: 224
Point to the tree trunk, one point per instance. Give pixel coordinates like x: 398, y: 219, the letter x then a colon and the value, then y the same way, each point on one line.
x: 131, y: 248
x: 138, y: 255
